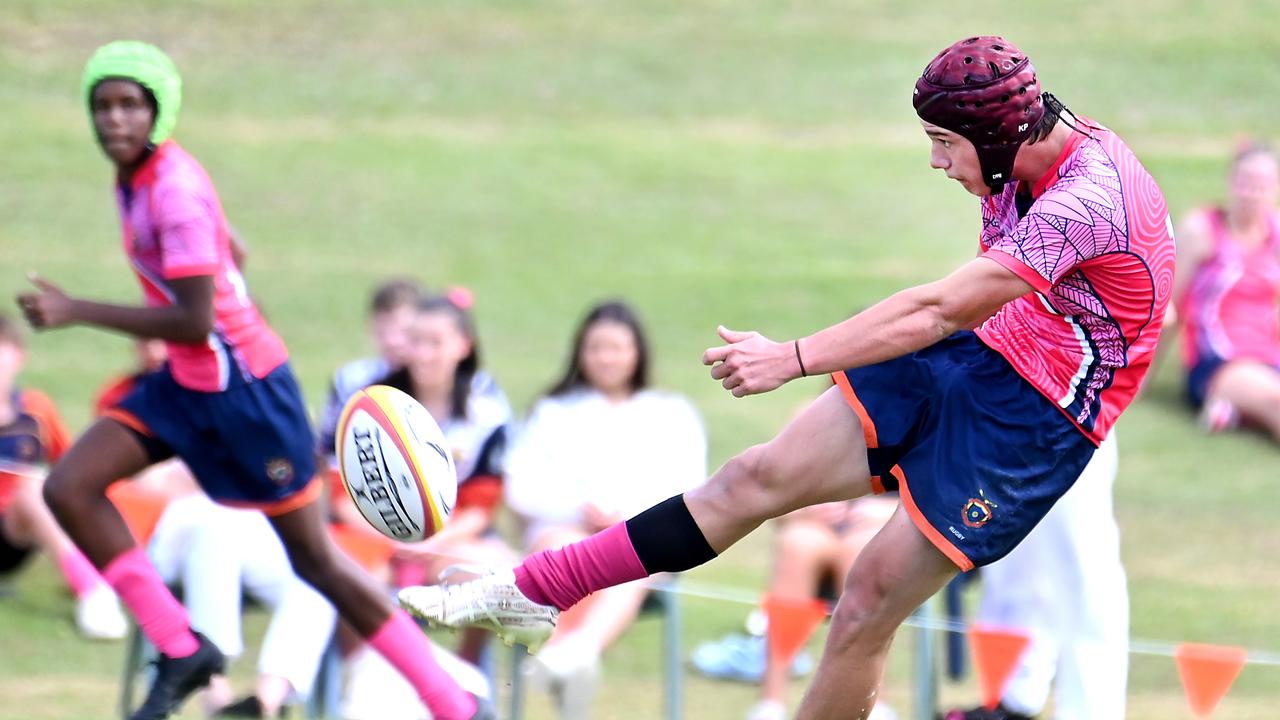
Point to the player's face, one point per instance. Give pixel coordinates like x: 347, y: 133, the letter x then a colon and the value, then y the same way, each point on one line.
x: 392, y: 332
x: 957, y: 157
x: 122, y: 119
x: 1255, y: 183
x: 11, y: 359
x: 436, y: 346
x: 609, y: 356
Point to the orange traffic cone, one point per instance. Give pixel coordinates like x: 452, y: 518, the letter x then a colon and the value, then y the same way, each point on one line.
x: 1207, y: 673
x: 996, y: 651
x: 791, y: 622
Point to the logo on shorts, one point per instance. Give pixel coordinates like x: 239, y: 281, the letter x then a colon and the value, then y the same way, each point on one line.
x: 280, y: 471
x: 977, y: 512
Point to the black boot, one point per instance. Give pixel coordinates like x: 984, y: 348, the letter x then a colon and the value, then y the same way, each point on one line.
x: 177, y: 678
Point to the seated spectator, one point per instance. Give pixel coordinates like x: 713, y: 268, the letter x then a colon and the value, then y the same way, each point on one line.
x: 814, y: 544
x: 391, y: 313
x: 32, y: 437
x: 1227, y: 291
x: 1064, y: 586
x: 599, y: 447
x: 442, y: 371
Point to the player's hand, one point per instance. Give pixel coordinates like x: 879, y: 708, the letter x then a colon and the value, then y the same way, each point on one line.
x: 48, y: 307
x: 751, y: 363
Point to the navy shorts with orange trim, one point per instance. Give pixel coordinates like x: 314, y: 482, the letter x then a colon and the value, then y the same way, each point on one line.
x: 977, y: 454
x: 249, y: 445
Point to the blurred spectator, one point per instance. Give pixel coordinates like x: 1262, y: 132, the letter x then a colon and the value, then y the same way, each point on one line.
x: 814, y: 544
x: 427, y: 348
x: 1064, y: 585
x: 32, y: 437
x: 599, y: 447
x: 1227, y: 291
x: 391, y: 313
x: 149, y: 356
x: 442, y: 371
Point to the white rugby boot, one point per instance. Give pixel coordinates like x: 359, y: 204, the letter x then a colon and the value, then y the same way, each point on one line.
x: 492, y: 602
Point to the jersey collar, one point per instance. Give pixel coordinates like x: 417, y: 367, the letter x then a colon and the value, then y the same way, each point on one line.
x: 147, y: 173
x: 1051, y: 176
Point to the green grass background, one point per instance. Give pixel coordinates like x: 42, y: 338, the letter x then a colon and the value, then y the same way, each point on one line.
x: 754, y: 163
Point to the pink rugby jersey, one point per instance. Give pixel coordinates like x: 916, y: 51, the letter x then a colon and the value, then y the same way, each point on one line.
x: 1230, y: 305
x: 1096, y: 243
x: 174, y: 228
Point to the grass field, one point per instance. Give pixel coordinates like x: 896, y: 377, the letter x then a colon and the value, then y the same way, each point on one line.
x: 754, y: 163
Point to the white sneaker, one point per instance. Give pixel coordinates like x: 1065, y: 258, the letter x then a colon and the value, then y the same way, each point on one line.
x: 768, y: 710
x: 98, y: 615
x: 492, y: 602
x: 882, y: 712
x: 774, y: 710
x: 570, y: 673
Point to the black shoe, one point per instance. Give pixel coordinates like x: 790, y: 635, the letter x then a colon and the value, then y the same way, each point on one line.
x: 981, y: 713
x: 248, y: 707
x: 176, y: 678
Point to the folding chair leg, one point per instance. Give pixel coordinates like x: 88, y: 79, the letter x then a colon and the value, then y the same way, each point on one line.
x: 925, y: 702
x: 518, y: 654
x: 132, y: 668
x: 672, y: 665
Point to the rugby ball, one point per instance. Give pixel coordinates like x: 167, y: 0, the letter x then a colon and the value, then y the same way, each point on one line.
x: 395, y: 464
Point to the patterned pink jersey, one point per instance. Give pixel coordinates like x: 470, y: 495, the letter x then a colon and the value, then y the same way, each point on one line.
x: 174, y: 228
x: 1096, y: 243
x: 1230, y: 305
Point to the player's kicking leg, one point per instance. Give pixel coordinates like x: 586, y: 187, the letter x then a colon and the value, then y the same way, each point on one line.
x: 820, y: 457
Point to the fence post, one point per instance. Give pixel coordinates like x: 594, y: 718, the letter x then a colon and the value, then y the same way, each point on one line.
x: 925, y: 702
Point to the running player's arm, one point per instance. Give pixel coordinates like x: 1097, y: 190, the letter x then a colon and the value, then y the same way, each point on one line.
x: 188, y: 320
x: 907, y: 321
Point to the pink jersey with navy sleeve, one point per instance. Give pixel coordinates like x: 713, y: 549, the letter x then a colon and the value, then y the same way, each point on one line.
x: 1096, y: 243
x: 174, y: 228
x: 1230, y: 305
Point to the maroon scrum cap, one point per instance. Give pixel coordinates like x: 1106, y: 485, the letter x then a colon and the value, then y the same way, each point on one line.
x: 985, y: 90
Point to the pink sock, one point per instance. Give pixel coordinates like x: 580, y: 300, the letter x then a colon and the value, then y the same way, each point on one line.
x: 80, y: 574
x: 563, y: 577
x: 162, y: 618
x: 404, y: 646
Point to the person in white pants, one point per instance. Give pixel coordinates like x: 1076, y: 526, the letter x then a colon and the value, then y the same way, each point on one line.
x: 1065, y: 586
x: 220, y: 553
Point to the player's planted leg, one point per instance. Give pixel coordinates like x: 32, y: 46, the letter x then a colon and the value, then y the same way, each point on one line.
x: 76, y: 493
x: 898, y: 570
x: 820, y: 457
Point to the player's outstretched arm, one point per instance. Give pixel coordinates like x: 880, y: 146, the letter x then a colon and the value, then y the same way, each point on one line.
x: 188, y: 320
x: 915, y: 318
x: 907, y: 321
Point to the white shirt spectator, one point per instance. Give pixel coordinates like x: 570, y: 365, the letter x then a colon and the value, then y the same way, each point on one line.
x: 580, y: 448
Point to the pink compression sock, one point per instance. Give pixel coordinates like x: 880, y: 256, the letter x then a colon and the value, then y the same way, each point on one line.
x: 404, y: 646
x: 563, y: 577
x: 162, y: 618
x: 80, y: 574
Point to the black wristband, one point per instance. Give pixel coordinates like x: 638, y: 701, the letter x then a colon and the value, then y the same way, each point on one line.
x: 803, y: 372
